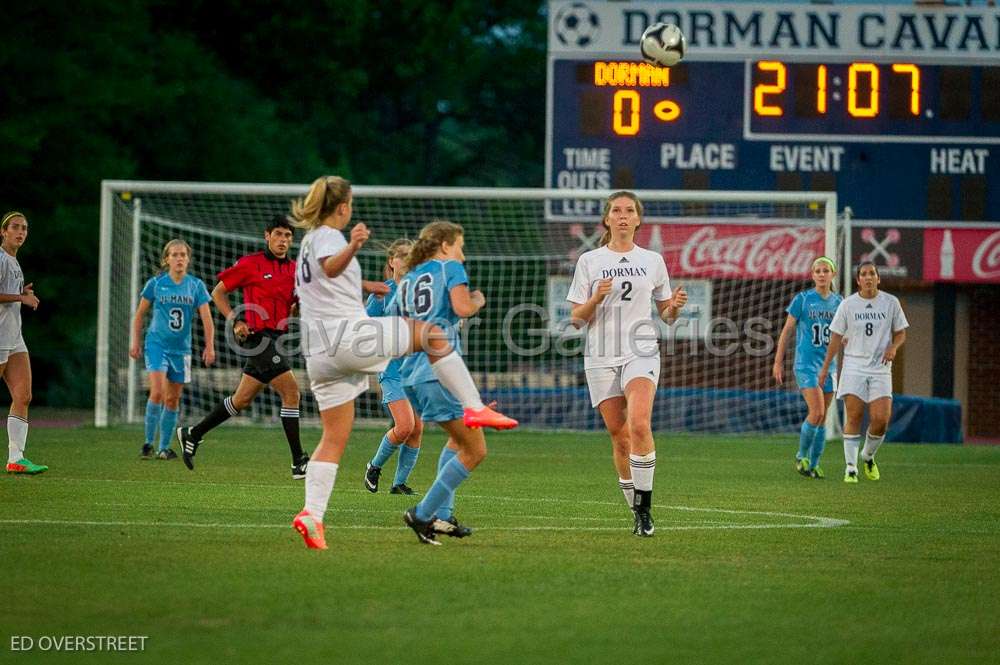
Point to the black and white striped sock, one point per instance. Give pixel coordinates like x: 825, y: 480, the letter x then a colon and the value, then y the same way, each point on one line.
x: 290, y: 423
x: 222, y: 412
x: 628, y: 489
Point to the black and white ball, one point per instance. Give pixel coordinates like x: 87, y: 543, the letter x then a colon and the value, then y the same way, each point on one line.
x: 663, y: 44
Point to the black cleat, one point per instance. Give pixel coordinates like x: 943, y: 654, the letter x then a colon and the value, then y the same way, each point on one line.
x: 424, y: 530
x: 299, y: 468
x: 147, y: 451
x: 643, y: 523
x: 167, y: 454
x: 450, y: 527
x: 402, y: 488
x: 188, y: 446
x: 372, y: 474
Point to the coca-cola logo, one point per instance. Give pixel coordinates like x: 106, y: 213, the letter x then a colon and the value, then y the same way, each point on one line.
x: 778, y: 252
x: 986, y: 260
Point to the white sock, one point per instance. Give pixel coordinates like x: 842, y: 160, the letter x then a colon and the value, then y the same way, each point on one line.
x: 643, y: 467
x: 628, y: 489
x: 851, y: 444
x: 17, y: 435
x: 872, y: 443
x: 320, y: 477
x: 454, y: 376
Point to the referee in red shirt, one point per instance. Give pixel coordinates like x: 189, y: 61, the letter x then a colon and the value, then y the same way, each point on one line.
x: 267, y: 280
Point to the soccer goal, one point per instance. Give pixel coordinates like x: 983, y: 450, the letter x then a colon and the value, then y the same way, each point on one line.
x: 741, y: 256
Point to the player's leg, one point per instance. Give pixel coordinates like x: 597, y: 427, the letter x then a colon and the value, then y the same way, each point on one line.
x: 409, y: 451
x: 288, y: 389
x: 168, y: 418
x: 813, y: 397
x: 154, y: 410
x: 819, y: 443
x: 192, y: 437
x: 616, y: 421
x: 879, y: 413
x: 854, y: 411
x: 321, y: 473
x: 471, y: 444
x: 447, y: 509
x: 17, y: 375
x: 392, y: 440
x: 639, y: 394
x: 450, y: 370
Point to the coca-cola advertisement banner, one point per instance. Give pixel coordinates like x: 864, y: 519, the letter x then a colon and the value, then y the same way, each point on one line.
x: 704, y: 250
x: 962, y: 255
x: 897, y: 252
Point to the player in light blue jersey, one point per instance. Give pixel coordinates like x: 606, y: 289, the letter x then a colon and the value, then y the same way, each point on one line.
x: 407, y: 427
x: 436, y: 289
x: 175, y: 297
x: 810, y: 314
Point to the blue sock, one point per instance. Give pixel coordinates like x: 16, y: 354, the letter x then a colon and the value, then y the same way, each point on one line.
x: 448, y: 480
x: 806, y: 435
x: 448, y: 508
x: 152, y: 420
x: 407, y: 460
x: 384, y: 452
x: 168, y: 423
x: 819, y: 444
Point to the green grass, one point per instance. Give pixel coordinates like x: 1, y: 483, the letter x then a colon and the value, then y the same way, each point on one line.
x: 913, y: 577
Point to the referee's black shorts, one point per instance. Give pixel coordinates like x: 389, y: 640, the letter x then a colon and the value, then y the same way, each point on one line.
x: 267, y: 362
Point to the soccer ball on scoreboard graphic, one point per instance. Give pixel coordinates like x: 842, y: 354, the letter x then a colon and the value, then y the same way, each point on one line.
x: 662, y: 44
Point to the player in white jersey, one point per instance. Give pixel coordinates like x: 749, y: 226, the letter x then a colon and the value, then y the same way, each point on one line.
x: 342, y: 345
x: 611, y: 292
x: 15, y: 367
x: 874, y: 326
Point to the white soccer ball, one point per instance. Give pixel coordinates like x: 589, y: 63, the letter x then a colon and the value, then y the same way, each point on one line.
x: 663, y: 44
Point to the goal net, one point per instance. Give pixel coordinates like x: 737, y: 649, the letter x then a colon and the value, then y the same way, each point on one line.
x: 741, y: 256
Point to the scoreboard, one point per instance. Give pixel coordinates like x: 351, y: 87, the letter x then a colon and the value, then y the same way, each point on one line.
x: 894, y: 107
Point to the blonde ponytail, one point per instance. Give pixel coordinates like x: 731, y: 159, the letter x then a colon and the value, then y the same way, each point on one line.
x: 325, y: 194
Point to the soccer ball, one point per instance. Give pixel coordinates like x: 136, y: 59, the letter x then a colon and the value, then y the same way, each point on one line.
x: 662, y: 44
x: 576, y: 25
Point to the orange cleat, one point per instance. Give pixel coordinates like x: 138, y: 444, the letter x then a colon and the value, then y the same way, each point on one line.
x: 310, y: 529
x: 487, y: 417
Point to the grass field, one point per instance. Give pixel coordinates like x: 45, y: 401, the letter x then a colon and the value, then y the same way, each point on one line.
x: 750, y: 562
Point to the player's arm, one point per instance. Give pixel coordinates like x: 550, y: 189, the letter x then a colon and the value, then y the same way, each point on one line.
x: 466, y: 303
x: 582, y: 313
x: 25, y: 297
x: 220, y: 296
x: 670, y: 309
x: 205, y: 312
x: 898, y: 338
x: 337, y: 263
x: 778, y: 370
x: 378, y: 289
x: 836, y: 341
x: 135, y: 349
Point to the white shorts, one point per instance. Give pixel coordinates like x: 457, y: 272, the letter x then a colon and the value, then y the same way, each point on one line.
x: 867, y: 387
x: 341, y: 355
x: 608, y: 382
x: 19, y: 347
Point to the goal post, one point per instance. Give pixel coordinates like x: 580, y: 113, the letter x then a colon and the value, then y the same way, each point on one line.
x: 742, y: 255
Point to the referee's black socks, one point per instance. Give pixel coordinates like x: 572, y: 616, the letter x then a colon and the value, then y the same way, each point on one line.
x: 290, y: 422
x: 222, y: 412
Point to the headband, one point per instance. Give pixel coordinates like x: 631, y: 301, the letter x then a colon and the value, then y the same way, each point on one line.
x: 827, y: 261
x: 9, y: 216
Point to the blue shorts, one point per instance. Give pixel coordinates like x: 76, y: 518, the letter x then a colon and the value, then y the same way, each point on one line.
x: 810, y: 379
x: 392, y: 389
x: 434, y: 403
x: 176, y: 365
